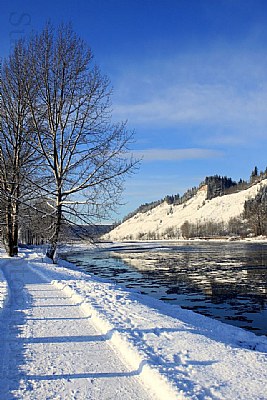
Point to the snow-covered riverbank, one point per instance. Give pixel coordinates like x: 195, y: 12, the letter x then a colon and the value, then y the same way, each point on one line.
x: 170, y: 352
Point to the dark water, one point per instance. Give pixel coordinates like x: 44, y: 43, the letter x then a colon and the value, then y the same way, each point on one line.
x: 226, y: 281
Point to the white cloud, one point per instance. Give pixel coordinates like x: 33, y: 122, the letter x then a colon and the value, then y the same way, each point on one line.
x: 224, y: 90
x: 210, y: 104
x: 176, y: 154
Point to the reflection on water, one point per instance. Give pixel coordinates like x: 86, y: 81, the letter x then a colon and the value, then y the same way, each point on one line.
x: 227, y: 281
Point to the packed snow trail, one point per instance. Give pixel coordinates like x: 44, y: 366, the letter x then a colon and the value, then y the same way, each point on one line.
x: 50, y: 348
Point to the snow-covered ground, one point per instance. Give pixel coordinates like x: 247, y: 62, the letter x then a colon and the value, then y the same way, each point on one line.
x: 196, y: 210
x: 67, y: 335
x: 3, y: 291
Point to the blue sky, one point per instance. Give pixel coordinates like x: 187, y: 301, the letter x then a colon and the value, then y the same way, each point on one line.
x: 189, y: 76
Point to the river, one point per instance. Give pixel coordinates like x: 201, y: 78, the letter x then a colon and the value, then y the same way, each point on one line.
x: 226, y: 280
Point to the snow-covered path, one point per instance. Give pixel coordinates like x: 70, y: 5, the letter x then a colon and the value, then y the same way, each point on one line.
x: 50, y: 348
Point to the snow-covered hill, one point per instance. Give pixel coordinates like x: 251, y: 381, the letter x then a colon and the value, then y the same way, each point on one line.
x: 158, y: 221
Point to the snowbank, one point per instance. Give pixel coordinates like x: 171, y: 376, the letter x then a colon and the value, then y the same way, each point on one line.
x: 3, y: 289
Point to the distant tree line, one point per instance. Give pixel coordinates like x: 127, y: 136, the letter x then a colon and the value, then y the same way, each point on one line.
x: 235, y: 227
x: 218, y: 186
x: 177, y: 199
x: 143, y: 208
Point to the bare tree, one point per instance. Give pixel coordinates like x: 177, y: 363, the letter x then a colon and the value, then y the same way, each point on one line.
x: 185, y: 230
x: 85, y: 155
x: 16, y: 153
x: 36, y: 221
x: 255, y: 212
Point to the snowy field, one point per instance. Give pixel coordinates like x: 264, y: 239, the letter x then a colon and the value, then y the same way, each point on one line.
x: 67, y: 335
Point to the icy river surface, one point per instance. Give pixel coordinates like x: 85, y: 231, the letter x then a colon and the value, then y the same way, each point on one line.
x: 226, y: 281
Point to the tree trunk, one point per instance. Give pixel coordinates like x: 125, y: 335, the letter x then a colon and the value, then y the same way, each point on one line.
x: 9, y: 229
x: 12, y: 228
x: 15, y: 238
x: 51, y: 251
